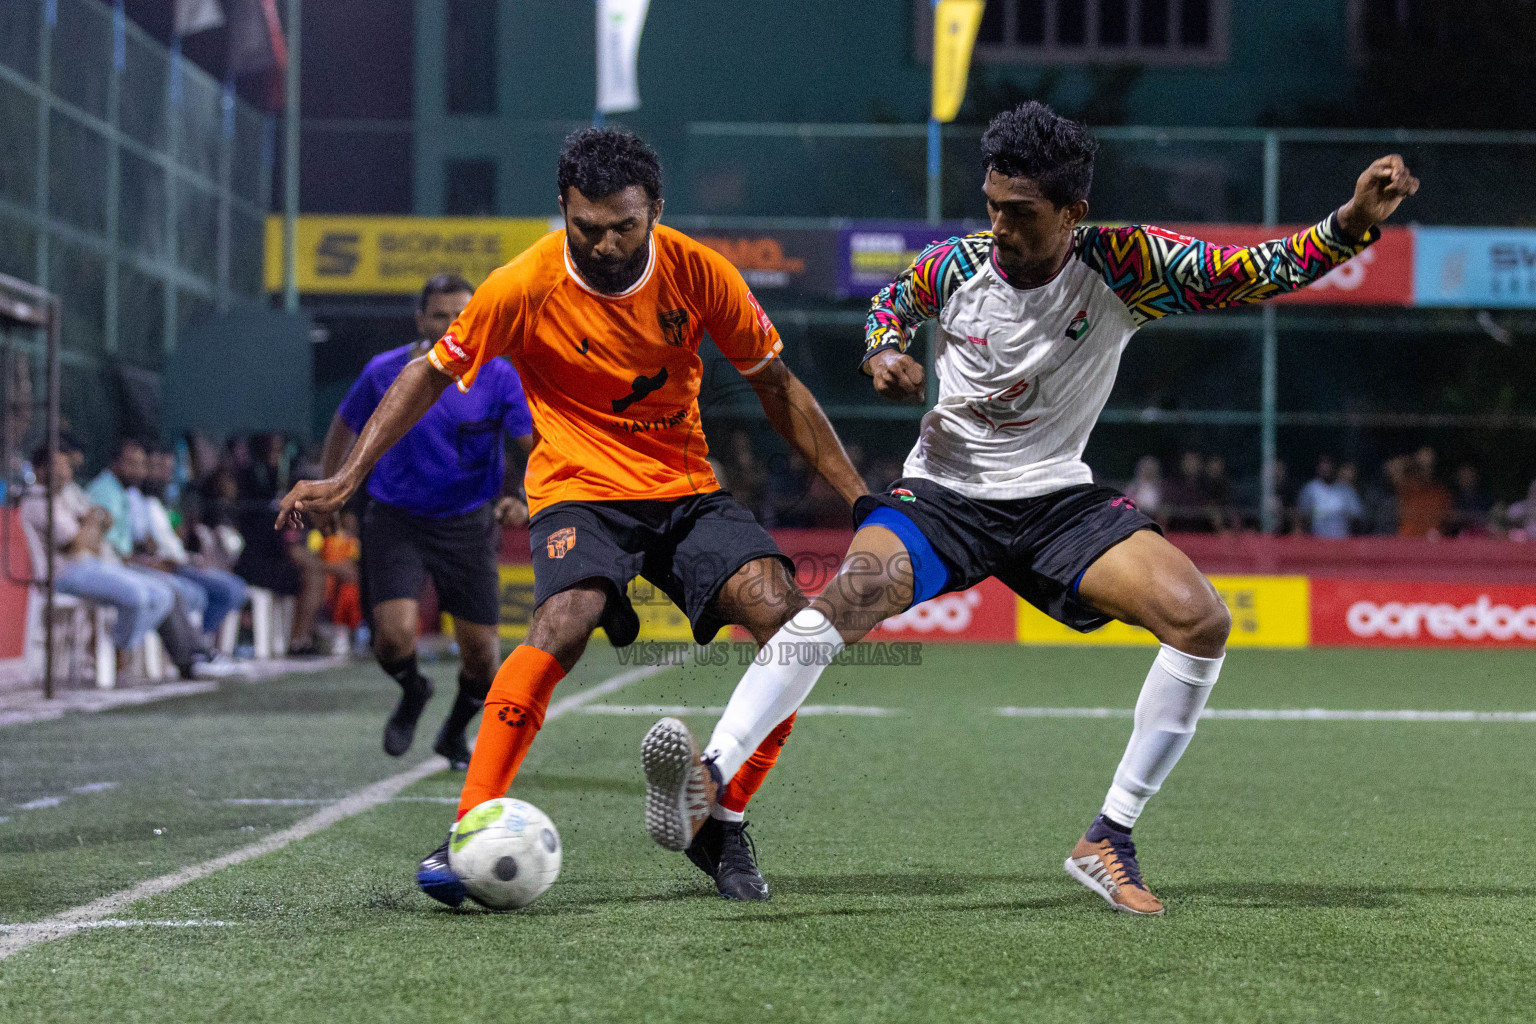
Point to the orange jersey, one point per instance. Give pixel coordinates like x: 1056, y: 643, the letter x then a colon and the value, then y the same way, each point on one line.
x: 612, y: 380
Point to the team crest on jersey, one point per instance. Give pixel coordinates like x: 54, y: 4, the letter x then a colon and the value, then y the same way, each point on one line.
x: 1078, y: 325
x: 560, y: 542
x: 674, y: 326
x: 904, y: 494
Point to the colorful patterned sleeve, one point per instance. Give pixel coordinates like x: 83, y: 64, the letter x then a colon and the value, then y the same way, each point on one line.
x: 1158, y: 273
x: 920, y: 291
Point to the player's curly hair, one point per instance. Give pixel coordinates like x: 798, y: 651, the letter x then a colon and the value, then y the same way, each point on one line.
x: 1033, y: 141
x: 602, y: 161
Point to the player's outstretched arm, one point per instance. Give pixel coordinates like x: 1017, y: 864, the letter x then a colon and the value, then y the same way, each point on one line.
x: 419, y: 385
x: 795, y: 413
x: 1158, y: 273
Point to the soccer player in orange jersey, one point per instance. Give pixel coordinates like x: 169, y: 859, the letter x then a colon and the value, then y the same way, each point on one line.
x: 603, y: 322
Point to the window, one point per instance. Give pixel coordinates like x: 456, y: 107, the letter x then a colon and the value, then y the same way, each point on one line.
x: 469, y: 188
x: 1144, y: 31
x: 470, y: 57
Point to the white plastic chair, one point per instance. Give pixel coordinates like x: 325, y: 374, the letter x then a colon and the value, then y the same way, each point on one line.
x: 83, y: 621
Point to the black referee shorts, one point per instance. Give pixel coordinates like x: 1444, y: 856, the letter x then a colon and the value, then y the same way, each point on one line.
x: 688, y: 547
x: 401, y: 551
x: 1039, y: 547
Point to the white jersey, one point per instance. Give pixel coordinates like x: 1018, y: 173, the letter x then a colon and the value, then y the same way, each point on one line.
x: 1024, y: 372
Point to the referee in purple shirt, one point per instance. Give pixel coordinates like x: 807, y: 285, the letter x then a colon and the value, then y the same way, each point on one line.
x: 433, y: 509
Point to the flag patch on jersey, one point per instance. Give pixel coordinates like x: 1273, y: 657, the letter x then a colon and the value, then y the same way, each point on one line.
x: 1078, y: 325
x: 904, y: 494
x: 762, y: 318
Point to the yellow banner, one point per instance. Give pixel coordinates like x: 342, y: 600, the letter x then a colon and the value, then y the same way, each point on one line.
x: 395, y: 255
x: 1267, y: 611
x: 955, y: 23
x: 660, y: 619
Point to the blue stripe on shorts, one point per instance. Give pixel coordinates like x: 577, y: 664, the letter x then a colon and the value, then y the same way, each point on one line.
x: 929, y: 573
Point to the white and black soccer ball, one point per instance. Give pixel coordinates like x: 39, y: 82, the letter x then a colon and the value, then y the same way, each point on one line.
x: 506, y: 852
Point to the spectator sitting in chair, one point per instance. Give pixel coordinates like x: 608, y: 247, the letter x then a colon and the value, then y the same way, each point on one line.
x: 1328, y: 506
x: 1424, y: 504
x: 1522, y: 516
x: 1472, y: 509
x: 116, y: 489
x: 279, y: 562
x: 225, y: 592
x: 88, y: 567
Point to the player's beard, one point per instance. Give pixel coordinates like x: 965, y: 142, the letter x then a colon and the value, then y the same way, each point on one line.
x: 613, y: 276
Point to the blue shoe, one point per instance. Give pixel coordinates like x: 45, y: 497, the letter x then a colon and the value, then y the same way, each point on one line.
x: 435, y: 878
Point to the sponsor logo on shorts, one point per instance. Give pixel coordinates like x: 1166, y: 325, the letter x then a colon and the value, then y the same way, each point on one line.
x: 674, y: 326
x: 1078, y: 325
x: 560, y: 542
x: 762, y: 318
x: 904, y: 494
x: 1124, y: 501
x: 454, y: 348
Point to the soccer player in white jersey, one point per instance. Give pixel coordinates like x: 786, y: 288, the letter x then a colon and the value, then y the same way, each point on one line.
x: 1032, y: 318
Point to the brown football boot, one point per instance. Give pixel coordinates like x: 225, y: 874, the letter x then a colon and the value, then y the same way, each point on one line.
x: 1104, y: 860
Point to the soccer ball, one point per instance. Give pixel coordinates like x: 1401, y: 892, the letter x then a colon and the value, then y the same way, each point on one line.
x: 506, y: 852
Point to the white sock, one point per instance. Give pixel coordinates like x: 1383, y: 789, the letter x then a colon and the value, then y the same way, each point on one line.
x: 776, y: 684
x: 724, y: 814
x: 1166, y: 713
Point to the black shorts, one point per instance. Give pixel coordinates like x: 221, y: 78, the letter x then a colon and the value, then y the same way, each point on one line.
x: 1040, y: 547
x: 688, y: 547
x: 402, y: 550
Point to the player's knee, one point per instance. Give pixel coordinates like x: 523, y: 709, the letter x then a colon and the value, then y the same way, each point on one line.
x: 392, y: 647
x: 1198, y: 623
x: 476, y: 665
x: 764, y: 622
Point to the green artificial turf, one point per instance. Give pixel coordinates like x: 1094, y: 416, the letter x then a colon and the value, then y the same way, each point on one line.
x: 1314, y: 871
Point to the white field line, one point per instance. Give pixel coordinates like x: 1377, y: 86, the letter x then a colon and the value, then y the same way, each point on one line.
x: 118, y: 922
x: 68, y: 922
x: 860, y: 710
x: 300, y: 801
x: 1288, y: 714
x: 30, y: 707
x: 44, y: 802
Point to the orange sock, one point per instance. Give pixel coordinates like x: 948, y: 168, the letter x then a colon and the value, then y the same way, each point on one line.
x: 514, y: 713
x: 751, y: 775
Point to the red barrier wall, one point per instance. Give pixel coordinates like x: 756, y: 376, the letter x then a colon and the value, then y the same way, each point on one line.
x: 1473, y: 560
x: 817, y: 553
x: 13, y: 595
